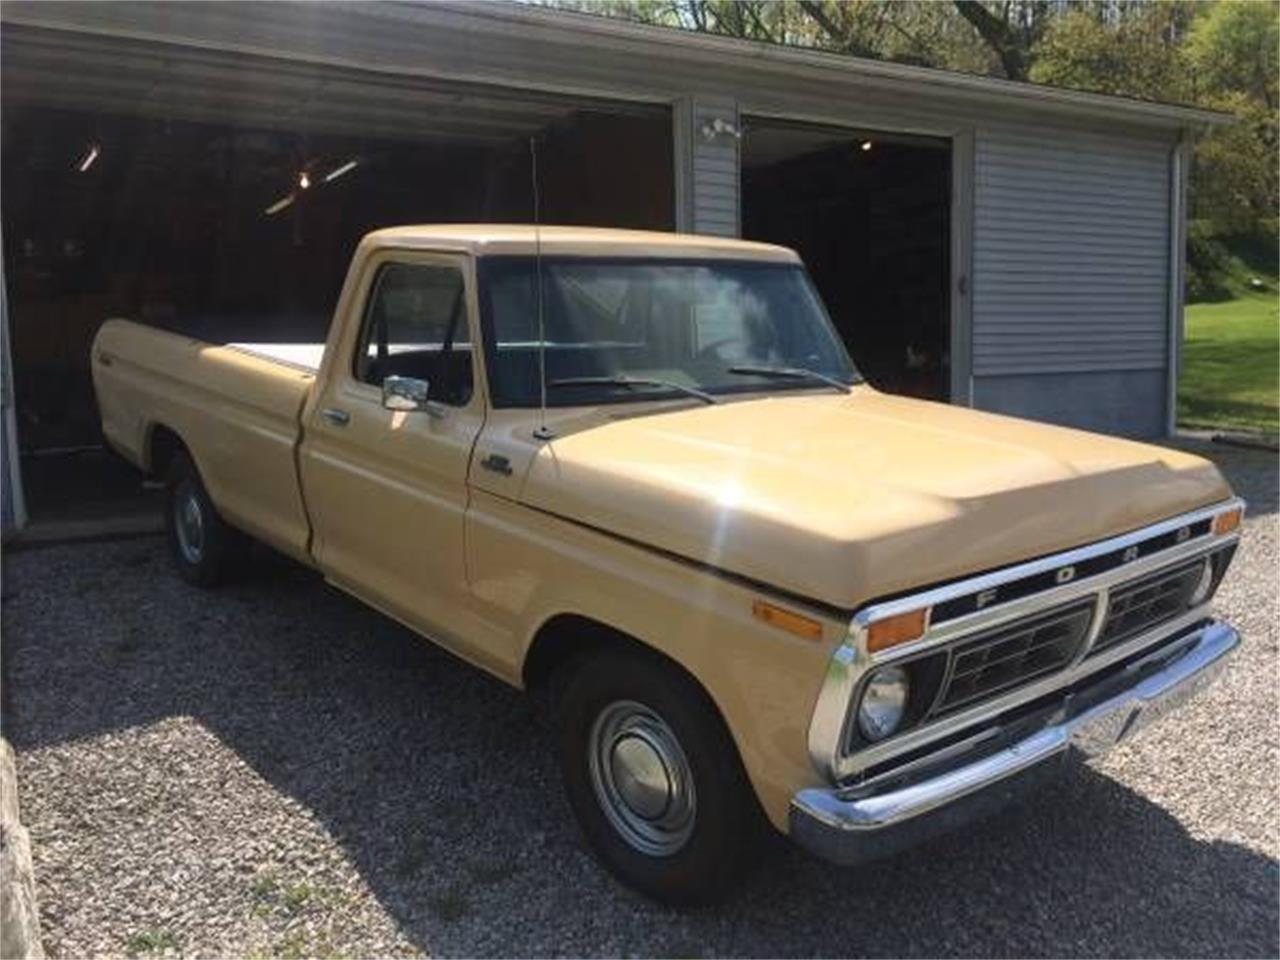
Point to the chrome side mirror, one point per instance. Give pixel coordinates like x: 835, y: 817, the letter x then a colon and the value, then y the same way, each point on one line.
x: 404, y: 393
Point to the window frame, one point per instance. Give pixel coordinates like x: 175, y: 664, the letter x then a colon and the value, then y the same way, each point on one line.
x: 460, y: 322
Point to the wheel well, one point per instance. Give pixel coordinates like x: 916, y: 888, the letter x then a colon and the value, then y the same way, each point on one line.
x: 568, y: 635
x: 163, y: 447
x: 559, y: 640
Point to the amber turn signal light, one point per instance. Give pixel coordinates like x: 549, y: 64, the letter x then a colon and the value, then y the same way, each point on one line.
x: 1227, y: 521
x: 787, y: 620
x: 894, y: 630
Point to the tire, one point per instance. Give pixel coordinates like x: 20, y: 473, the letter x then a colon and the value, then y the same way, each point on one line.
x: 683, y: 831
x: 204, y: 548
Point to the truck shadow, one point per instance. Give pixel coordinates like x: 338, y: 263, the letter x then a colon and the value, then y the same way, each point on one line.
x: 438, y: 784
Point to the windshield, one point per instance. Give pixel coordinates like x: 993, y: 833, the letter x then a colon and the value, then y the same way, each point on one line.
x: 688, y: 323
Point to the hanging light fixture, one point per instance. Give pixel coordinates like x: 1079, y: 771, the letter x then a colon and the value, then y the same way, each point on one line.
x: 341, y: 171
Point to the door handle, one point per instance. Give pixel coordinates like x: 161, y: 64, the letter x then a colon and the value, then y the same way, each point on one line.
x: 339, y: 418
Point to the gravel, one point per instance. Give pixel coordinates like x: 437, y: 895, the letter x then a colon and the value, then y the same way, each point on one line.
x: 274, y: 770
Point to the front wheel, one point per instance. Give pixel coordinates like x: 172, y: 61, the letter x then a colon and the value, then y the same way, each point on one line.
x: 655, y: 779
x: 204, y: 548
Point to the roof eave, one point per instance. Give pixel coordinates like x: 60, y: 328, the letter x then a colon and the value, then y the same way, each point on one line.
x: 992, y: 90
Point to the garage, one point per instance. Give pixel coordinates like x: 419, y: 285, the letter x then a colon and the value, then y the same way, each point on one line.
x: 209, y: 166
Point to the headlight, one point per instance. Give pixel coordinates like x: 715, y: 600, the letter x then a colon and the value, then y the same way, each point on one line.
x: 1204, y: 586
x: 883, y: 703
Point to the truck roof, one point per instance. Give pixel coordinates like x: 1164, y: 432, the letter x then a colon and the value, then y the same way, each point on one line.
x: 495, y: 238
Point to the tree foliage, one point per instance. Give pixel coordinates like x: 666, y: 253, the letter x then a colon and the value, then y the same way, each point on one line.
x: 1233, y: 62
x: 1139, y: 54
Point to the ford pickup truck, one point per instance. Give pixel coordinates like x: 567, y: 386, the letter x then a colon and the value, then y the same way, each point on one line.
x: 641, y: 472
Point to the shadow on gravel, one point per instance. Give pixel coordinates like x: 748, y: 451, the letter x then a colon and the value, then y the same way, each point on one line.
x: 438, y: 784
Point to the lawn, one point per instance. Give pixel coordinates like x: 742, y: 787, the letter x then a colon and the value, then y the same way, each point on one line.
x: 1231, y: 365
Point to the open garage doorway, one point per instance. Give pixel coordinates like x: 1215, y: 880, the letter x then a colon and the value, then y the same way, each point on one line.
x: 870, y: 213
x: 222, y: 196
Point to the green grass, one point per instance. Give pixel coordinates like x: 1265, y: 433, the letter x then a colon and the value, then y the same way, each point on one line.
x: 1231, y: 365
x: 1231, y: 354
x: 144, y: 943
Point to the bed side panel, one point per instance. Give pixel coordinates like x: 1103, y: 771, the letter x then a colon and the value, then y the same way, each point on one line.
x: 236, y: 412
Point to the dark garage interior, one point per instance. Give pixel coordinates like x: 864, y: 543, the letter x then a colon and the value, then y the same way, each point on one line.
x: 205, y: 200
x: 870, y: 214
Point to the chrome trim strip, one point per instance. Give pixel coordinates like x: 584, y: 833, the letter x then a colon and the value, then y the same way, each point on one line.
x: 1092, y: 732
x: 867, y: 787
x: 851, y: 661
x: 1101, y: 607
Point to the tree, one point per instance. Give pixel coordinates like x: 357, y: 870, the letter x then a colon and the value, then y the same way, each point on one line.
x: 1133, y: 52
x: 1233, y: 59
x: 1011, y: 29
x: 1233, y: 48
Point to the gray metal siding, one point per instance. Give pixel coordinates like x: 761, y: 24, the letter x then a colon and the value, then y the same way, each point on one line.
x: 716, y: 190
x: 1125, y: 402
x: 1070, y: 252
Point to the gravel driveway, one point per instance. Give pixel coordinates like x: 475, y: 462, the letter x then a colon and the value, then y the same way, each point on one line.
x: 272, y: 769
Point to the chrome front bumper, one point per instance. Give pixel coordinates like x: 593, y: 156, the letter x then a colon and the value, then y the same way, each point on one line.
x: 838, y: 825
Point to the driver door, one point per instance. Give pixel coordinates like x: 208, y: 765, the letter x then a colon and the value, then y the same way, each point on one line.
x: 386, y: 489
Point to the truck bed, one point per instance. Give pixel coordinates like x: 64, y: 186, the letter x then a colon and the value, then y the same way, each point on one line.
x: 235, y: 407
x: 293, y: 339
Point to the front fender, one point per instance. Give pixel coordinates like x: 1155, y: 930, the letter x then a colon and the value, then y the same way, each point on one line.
x: 527, y: 566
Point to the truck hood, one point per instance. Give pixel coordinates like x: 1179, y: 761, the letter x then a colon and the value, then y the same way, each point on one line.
x: 842, y: 499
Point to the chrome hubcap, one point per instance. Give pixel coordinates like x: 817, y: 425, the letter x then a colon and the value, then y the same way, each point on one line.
x: 642, y: 778
x: 189, y: 524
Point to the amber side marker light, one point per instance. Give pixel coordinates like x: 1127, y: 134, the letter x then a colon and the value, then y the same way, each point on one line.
x: 902, y: 628
x: 787, y: 620
x: 1227, y: 521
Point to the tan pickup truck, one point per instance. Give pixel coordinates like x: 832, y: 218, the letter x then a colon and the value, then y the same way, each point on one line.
x: 641, y: 470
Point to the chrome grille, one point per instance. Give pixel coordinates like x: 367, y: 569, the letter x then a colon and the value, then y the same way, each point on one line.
x: 1013, y: 654
x: 1142, y: 604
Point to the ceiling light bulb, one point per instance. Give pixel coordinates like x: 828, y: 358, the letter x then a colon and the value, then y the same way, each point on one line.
x: 304, y: 180
x: 866, y: 145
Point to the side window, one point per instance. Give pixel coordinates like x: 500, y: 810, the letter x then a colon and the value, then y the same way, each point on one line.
x: 415, y: 325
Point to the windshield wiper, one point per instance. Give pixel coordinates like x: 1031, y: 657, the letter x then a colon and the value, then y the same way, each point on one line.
x: 632, y: 382
x: 792, y: 373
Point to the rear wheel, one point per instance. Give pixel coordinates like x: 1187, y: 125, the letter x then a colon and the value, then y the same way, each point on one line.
x: 654, y: 778
x: 203, y: 546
